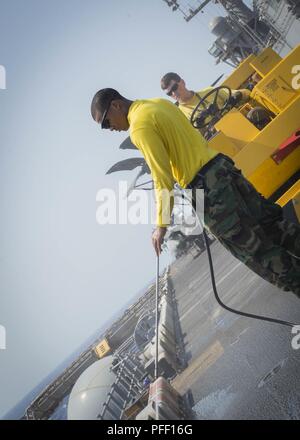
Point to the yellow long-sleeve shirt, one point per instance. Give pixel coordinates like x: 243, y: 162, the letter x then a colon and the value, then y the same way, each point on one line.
x: 189, y: 106
x: 172, y: 148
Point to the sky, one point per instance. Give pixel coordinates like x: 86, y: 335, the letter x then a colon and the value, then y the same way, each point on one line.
x: 62, y: 275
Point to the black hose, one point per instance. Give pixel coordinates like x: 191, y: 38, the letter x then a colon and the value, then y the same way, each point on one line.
x: 248, y: 315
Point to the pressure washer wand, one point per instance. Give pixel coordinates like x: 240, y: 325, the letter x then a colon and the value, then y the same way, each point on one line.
x: 156, y: 337
x: 156, y: 317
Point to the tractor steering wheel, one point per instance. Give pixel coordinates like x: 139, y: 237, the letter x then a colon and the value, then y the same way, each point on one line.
x: 210, y: 113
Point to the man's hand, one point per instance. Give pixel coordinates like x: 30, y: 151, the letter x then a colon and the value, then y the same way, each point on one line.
x: 235, y: 98
x: 158, y: 238
x: 239, y: 97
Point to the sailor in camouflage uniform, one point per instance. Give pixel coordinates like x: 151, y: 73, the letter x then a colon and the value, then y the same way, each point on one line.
x: 248, y: 225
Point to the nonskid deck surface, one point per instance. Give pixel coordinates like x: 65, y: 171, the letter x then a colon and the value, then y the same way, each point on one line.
x: 237, y: 367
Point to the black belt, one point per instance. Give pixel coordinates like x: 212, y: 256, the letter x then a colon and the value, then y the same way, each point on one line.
x: 198, y: 179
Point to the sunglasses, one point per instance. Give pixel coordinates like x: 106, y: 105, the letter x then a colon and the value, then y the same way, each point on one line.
x: 173, y: 89
x: 105, y: 122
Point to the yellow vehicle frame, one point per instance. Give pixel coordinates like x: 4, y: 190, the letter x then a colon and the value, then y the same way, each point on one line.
x: 257, y: 152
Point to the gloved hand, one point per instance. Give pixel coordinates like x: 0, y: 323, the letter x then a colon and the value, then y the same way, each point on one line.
x: 201, y: 118
x: 235, y: 98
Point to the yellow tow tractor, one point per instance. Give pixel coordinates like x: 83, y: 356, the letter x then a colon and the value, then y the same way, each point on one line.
x: 263, y: 135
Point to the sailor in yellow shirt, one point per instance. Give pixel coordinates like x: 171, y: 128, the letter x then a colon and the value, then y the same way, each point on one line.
x: 173, y: 150
x: 175, y: 87
x: 249, y: 226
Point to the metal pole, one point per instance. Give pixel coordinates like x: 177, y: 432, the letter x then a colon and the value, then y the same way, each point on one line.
x: 156, y: 337
x: 156, y: 317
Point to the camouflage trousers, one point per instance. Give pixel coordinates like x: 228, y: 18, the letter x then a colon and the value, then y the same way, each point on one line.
x: 251, y: 227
